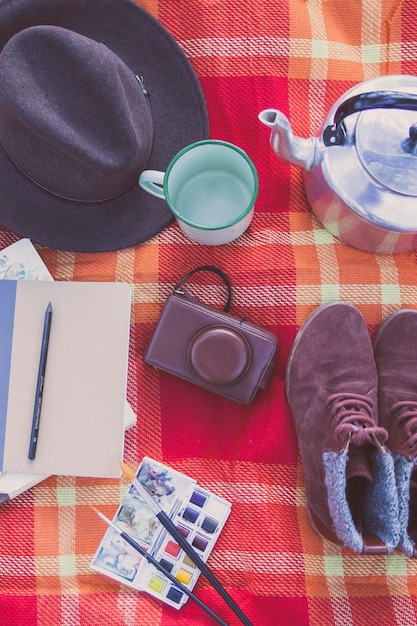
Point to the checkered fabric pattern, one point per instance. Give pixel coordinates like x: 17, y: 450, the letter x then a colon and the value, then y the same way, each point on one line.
x: 298, y: 56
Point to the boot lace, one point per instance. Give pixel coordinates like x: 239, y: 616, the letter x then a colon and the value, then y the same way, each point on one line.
x: 353, y: 418
x: 406, y: 415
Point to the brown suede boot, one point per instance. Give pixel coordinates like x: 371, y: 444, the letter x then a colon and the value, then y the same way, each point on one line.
x: 395, y: 349
x: 349, y: 477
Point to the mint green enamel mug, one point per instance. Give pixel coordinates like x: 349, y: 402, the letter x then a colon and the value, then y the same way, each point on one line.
x: 211, y: 187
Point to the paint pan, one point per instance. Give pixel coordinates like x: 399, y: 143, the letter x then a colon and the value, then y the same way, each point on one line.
x: 197, y: 513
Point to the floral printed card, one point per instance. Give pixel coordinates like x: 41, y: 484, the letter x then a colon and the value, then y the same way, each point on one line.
x: 21, y: 261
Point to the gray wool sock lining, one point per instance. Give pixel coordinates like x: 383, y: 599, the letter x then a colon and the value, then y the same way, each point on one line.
x: 380, y: 502
x: 403, y: 471
x: 381, y: 516
x: 335, y: 481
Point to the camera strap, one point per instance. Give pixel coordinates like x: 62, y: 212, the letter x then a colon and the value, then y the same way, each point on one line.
x: 209, y: 268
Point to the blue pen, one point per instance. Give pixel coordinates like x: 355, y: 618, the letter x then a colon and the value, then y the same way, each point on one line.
x: 40, y: 383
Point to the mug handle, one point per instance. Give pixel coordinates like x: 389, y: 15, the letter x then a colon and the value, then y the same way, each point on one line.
x: 152, y: 181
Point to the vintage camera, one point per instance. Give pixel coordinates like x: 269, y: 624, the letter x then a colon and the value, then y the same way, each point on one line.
x: 209, y: 347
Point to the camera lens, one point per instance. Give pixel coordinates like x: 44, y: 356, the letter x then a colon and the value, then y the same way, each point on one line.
x: 218, y: 356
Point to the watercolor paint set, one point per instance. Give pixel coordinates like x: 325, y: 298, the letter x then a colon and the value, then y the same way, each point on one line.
x: 198, y: 514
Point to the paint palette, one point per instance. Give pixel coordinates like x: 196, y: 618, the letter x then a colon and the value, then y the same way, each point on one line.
x: 197, y: 513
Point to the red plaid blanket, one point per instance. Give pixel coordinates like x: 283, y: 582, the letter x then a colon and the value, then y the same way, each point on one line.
x: 298, y: 56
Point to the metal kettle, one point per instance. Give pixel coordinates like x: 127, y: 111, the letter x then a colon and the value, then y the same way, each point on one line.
x: 360, y: 171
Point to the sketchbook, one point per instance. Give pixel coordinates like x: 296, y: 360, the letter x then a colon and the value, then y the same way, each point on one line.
x: 82, y: 419
x: 21, y: 261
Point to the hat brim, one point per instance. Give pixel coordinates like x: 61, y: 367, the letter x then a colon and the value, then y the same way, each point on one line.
x: 179, y: 116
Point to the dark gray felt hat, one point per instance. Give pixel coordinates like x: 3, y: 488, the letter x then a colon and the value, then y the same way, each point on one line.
x: 91, y: 94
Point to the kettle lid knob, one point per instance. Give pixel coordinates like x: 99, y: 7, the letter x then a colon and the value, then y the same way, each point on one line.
x: 409, y: 144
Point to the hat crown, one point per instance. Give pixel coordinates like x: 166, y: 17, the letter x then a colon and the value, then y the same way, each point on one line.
x: 73, y: 116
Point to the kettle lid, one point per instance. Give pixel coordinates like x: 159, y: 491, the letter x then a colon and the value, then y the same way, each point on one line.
x: 386, y: 143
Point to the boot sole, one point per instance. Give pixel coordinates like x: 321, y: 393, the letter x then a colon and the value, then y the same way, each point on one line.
x: 372, y: 545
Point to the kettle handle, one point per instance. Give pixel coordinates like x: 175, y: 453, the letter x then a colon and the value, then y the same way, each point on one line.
x: 334, y: 134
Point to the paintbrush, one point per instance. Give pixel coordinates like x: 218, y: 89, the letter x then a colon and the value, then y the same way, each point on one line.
x: 167, y: 522
x: 158, y: 566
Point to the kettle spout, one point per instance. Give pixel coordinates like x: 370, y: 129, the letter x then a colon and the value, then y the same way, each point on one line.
x: 305, y: 153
